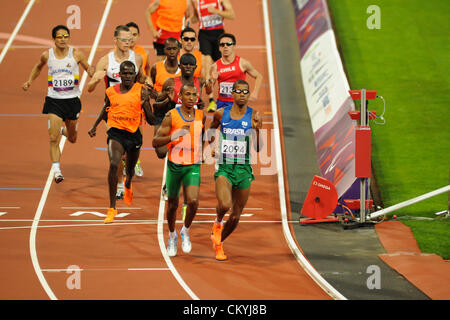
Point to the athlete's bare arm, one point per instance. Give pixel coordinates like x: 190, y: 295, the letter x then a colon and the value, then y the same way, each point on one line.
x: 141, y: 77
x: 150, y: 10
x: 100, y: 73
x: 146, y: 106
x: 102, y: 116
x: 36, y: 70
x: 227, y: 13
x: 80, y: 57
x: 162, y: 136
x: 248, y: 68
x: 207, y: 84
x: 194, y: 17
x: 153, y: 74
x: 212, y: 131
x: 256, y: 125
x: 166, y: 94
x: 147, y: 66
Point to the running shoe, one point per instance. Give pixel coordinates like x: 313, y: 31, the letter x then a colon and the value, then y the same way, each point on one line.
x: 172, y: 247
x: 58, y: 176
x: 186, y: 245
x: 216, y: 233
x: 183, y: 210
x: 220, y: 255
x: 128, y: 194
x: 120, y: 192
x: 110, y: 215
x: 138, y: 169
x: 212, y: 107
x: 164, y: 193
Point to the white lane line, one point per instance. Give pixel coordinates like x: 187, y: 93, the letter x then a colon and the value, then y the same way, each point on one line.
x: 124, y: 223
x: 16, y: 30
x: 279, y: 161
x: 162, y: 245
x: 100, y: 208
x: 48, y: 183
x: 104, y: 269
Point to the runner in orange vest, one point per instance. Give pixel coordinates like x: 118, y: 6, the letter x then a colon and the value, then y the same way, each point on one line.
x: 135, y: 33
x: 182, y: 130
x: 124, y: 105
x: 162, y: 70
x: 187, y: 40
x: 165, y: 19
x: 134, y: 29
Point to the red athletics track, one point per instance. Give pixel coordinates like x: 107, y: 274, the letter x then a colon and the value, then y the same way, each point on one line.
x: 124, y: 260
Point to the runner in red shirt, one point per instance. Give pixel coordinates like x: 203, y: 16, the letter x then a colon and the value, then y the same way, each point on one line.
x: 231, y: 68
x: 210, y: 15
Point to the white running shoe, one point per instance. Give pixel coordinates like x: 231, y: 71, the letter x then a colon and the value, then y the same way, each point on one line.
x: 164, y: 193
x: 58, y: 176
x: 138, y: 169
x: 186, y: 245
x: 120, y: 192
x: 172, y: 247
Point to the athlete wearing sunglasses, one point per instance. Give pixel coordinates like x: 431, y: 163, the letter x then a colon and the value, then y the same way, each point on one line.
x: 231, y: 68
x: 188, y: 42
x: 62, y: 103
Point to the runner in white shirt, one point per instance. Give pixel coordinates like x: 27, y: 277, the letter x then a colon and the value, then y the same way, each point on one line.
x: 62, y: 103
x: 108, y: 68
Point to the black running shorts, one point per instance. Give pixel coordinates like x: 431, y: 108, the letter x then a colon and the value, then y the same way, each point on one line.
x: 208, y: 43
x: 66, y: 109
x: 159, y: 48
x: 131, y: 142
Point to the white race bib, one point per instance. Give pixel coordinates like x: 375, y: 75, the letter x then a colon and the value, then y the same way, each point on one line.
x: 211, y: 21
x: 234, y: 148
x: 226, y: 88
x: 63, y: 83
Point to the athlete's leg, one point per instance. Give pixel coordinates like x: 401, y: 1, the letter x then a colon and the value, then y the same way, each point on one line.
x: 240, y: 197
x: 54, y: 131
x: 132, y: 158
x: 70, y: 131
x: 224, y: 197
x: 191, y: 197
x: 161, y: 152
x: 115, y: 152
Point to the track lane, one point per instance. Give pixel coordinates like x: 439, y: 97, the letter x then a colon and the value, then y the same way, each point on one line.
x: 105, y: 253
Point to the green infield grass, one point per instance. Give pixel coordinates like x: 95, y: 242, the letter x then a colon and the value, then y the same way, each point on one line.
x: 407, y: 61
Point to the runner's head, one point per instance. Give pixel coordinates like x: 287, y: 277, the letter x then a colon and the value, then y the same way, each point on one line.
x: 61, y: 35
x: 127, y: 73
x: 188, y: 38
x: 122, y: 38
x: 134, y: 29
x: 227, y: 41
x: 188, y: 64
x: 171, y: 48
x: 241, y: 93
x: 188, y: 94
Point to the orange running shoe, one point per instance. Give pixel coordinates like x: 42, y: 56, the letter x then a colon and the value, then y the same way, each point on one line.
x: 216, y: 233
x: 220, y: 255
x: 110, y: 215
x: 128, y: 196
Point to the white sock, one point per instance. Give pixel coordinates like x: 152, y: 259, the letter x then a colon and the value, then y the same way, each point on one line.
x: 184, y: 230
x: 172, y: 235
x: 55, y: 167
x: 120, y: 185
